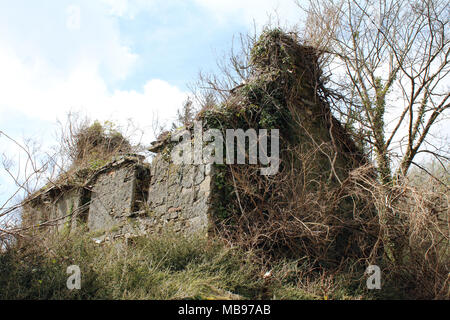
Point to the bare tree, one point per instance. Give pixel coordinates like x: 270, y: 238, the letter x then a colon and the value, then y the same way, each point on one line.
x: 390, y: 60
x: 23, y: 174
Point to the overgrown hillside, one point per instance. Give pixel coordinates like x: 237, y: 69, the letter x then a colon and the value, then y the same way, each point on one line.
x: 166, y: 267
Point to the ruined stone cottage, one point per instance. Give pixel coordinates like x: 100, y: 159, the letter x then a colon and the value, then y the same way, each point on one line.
x: 129, y: 196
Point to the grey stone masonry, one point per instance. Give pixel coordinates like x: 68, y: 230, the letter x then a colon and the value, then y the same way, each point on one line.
x: 61, y: 207
x: 180, y: 195
x: 117, y: 195
x: 69, y: 207
x: 129, y: 197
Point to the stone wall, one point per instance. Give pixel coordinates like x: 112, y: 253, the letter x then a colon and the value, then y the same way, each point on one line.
x: 116, y: 195
x: 61, y: 207
x: 180, y: 195
x: 130, y: 197
x: 70, y: 208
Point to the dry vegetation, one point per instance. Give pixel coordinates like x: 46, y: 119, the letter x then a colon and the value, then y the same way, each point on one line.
x: 327, y: 204
x: 90, y: 145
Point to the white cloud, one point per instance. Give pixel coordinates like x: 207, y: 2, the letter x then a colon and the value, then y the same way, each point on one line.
x: 65, y: 57
x: 130, y: 8
x: 117, y: 7
x: 38, y: 92
x: 249, y: 11
x: 62, y: 34
x: 224, y: 11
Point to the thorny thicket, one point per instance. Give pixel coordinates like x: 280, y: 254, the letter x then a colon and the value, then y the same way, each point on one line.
x: 326, y: 204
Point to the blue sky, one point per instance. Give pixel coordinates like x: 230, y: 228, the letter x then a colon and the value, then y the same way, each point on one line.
x: 111, y: 59
x: 93, y: 56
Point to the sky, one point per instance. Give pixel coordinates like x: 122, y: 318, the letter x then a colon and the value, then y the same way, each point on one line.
x: 110, y: 60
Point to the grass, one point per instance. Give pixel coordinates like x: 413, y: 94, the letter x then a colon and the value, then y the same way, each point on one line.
x: 164, y: 267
